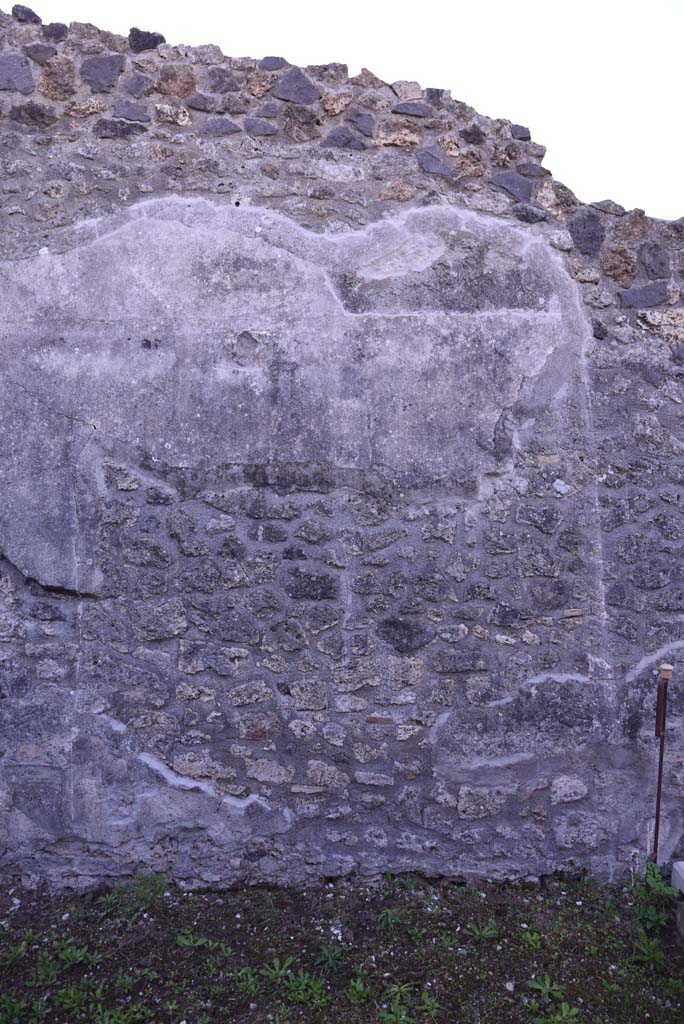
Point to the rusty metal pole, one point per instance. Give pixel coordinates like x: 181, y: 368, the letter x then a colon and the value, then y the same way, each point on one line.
x: 660, y: 724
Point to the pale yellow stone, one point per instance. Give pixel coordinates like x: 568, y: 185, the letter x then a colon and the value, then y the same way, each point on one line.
x: 667, y: 324
x: 261, y: 82
x: 172, y: 114
x: 86, y: 108
x: 335, y: 102
x: 398, y: 191
x: 398, y: 133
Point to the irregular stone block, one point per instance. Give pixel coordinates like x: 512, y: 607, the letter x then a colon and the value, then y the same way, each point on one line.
x: 588, y: 232
x: 342, y: 137
x: 34, y: 114
x: 655, y: 293
x: 404, y: 635
x: 15, y: 73
x: 667, y: 324
x: 296, y: 87
x: 172, y: 113
x: 140, y: 41
x: 454, y: 662
x: 176, y: 80
x: 130, y: 111
x: 362, y: 121
x: 480, y: 802
x: 139, y: 85
x: 473, y: 135
x: 309, y: 694
x: 257, y: 126
x: 567, y: 789
x: 220, y: 126
x: 40, y: 52
x: 222, y: 80
x: 324, y: 774
x: 311, y: 586
x: 56, y: 31
x: 414, y: 108
x: 272, y: 63
x: 112, y: 128
x: 432, y: 161
x: 101, y: 73
x: 655, y: 260
x: 518, y: 131
x: 58, y: 80
x: 515, y: 184
x: 25, y: 15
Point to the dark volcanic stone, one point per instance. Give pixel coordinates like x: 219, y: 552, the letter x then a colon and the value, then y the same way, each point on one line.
x: 255, y: 126
x: 40, y: 52
x: 543, y: 517
x: 15, y: 73
x: 311, y: 586
x: 33, y: 114
x: 473, y: 135
x: 587, y: 231
x: 520, y: 132
x: 436, y: 97
x: 414, y: 108
x: 221, y: 80
x: 654, y: 259
x: 513, y: 183
x: 55, y: 31
x: 362, y: 122
x: 270, y: 533
x: 131, y: 111
x: 343, y: 137
x: 296, y: 87
x: 452, y: 662
x: 26, y: 15
x: 198, y: 101
x: 219, y: 126
x: 532, y: 170
x: 138, y: 85
x: 289, y: 635
x: 102, y: 72
x: 547, y: 594
x: 528, y: 213
x: 232, y: 549
x: 139, y: 40
x: 432, y: 161
x: 145, y: 553
x: 403, y: 635
x: 272, y: 63
x: 114, y: 129
x: 642, y: 296
x: 268, y: 109
x: 231, y: 103
x: 294, y: 554
x: 600, y: 330
x: 506, y: 615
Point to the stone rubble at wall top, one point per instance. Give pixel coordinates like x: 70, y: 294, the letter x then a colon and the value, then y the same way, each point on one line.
x: 421, y: 640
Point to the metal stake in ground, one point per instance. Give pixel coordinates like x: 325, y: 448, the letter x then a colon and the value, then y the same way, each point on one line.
x: 661, y: 721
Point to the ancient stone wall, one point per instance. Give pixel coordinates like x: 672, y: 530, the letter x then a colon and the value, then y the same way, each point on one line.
x: 342, y: 479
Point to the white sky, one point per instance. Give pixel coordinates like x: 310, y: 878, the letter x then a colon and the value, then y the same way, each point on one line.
x: 599, y: 82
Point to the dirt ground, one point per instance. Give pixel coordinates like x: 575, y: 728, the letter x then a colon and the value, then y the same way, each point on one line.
x: 398, y: 951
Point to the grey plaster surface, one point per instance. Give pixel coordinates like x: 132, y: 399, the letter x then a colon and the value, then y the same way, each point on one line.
x: 203, y: 336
